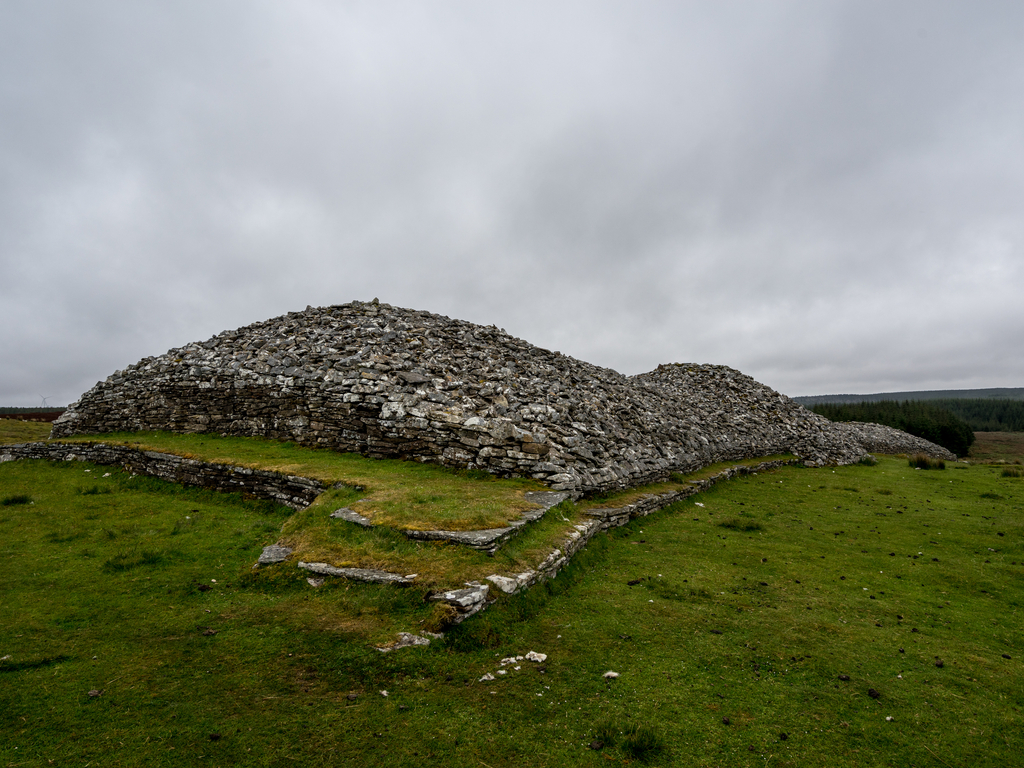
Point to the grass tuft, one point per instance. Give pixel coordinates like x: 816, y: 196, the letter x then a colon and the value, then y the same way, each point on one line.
x: 607, y: 732
x: 923, y: 461
x: 643, y: 743
x: 20, y: 498
x: 441, y: 617
x: 736, y: 524
x: 1013, y: 472
x: 94, y: 490
x: 126, y: 561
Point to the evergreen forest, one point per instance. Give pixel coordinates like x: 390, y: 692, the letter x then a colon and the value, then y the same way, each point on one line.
x: 927, y: 420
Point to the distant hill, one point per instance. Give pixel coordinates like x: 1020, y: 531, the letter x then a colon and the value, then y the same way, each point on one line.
x: 984, y: 410
x: 31, y: 414
x: 998, y: 393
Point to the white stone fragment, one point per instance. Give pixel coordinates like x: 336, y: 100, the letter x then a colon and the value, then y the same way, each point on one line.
x: 609, y: 675
x: 486, y: 678
x: 534, y: 656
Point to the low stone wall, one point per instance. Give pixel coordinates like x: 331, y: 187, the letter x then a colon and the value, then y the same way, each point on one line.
x: 611, y: 517
x: 292, y: 491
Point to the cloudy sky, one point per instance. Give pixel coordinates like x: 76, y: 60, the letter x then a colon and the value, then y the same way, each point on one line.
x: 825, y: 195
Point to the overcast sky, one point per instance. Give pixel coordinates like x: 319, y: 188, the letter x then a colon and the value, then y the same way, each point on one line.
x: 828, y: 196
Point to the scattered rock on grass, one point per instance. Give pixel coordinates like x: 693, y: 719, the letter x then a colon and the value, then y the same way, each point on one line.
x: 405, y: 640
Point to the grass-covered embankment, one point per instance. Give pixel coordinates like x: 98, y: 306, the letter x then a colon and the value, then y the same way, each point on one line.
x: 733, y: 620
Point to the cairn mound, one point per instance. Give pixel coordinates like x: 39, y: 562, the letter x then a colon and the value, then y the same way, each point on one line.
x: 390, y: 382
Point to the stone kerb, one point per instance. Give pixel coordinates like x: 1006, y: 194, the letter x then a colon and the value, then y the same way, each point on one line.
x: 292, y: 491
x: 605, y: 518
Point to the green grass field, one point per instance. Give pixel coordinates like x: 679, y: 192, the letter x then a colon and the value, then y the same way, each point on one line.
x: 733, y: 619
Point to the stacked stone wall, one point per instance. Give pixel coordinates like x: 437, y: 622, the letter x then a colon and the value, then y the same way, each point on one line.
x: 292, y: 491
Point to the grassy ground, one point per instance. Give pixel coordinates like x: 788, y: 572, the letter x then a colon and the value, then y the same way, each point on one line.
x: 397, y: 495
x: 16, y: 431
x: 733, y: 620
x: 998, y: 446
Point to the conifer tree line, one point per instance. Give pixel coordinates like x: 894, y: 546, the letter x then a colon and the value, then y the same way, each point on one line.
x: 986, y: 414
x: 926, y: 420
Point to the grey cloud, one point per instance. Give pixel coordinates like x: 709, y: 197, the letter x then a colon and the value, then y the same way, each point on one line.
x: 824, y: 195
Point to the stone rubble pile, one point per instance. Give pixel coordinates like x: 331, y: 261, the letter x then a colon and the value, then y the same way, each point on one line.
x: 390, y: 382
x: 878, y: 438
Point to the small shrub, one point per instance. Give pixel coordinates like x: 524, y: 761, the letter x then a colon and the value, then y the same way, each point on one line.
x: 924, y: 461
x: 1013, y: 472
x: 642, y: 743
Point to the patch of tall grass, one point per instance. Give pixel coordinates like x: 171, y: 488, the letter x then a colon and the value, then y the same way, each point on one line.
x: 923, y: 461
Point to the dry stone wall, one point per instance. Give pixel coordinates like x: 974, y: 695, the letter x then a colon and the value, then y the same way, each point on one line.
x: 390, y: 382
x: 290, y: 490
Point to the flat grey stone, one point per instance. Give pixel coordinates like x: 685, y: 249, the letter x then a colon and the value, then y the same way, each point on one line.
x: 370, y: 575
x: 466, y: 601
x: 405, y: 640
x: 546, y: 499
x: 275, y: 553
x: 351, y: 516
x: 481, y: 539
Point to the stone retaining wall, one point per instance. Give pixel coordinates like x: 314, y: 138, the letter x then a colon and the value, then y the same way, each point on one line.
x: 292, y: 491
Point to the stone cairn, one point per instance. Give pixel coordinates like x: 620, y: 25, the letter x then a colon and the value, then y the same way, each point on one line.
x: 398, y: 383
x: 384, y: 381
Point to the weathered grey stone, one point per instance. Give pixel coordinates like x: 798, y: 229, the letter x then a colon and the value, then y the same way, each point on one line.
x: 275, y: 553
x: 352, y: 516
x: 467, y: 601
x: 357, y: 574
x: 405, y: 640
